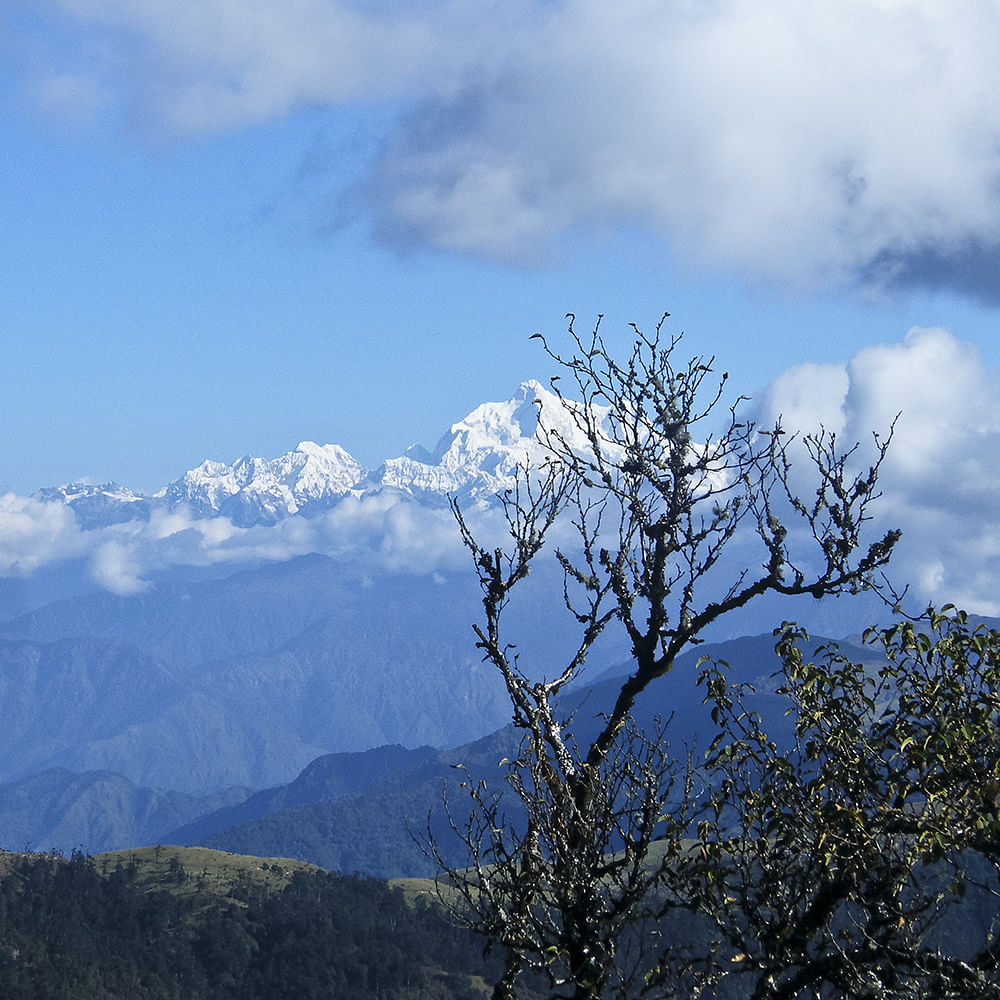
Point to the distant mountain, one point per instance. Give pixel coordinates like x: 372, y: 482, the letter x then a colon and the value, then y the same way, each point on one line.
x: 99, y: 506
x: 259, y: 491
x: 475, y: 458
x: 101, y: 811
x: 333, y: 776
x: 95, y: 811
x: 203, y: 685
x: 346, y: 810
x: 375, y: 831
x: 371, y: 831
x: 241, y: 670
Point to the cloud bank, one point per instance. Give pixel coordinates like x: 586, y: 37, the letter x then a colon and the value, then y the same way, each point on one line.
x: 805, y: 144
x: 372, y: 534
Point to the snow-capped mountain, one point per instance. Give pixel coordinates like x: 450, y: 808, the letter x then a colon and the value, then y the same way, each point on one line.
x: 99, y: 505
x: 262, y: 491
x: 477, y: 458
x: 480, y: 455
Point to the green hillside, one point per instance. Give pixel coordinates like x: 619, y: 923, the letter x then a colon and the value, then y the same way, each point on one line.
x: 196, y: 924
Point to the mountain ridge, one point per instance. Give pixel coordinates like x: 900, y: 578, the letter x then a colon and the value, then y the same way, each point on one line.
x: 371, y: 829
x: 244, y: 680
x: 474, y: 460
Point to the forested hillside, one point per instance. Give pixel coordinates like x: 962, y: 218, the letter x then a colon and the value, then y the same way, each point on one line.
x: 171, y: 923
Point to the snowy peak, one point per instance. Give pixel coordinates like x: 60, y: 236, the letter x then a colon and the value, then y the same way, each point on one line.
x: 79, y: 492
x: 259, y: 490
x: 97, y: 505
x: 497, y: 426
x: 500, y: 436
x: 477, y: 458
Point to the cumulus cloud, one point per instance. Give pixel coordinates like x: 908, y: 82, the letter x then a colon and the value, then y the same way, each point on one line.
x: 941, y: 477
x: 806, y: 144
x: 403, y: 537
x: 807, y: 398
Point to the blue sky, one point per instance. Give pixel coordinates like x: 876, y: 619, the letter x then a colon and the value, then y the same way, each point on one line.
x: 230, y: 226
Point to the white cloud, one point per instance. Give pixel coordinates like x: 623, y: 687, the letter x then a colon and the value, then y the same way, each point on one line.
x: 945, y: 396
x: 803, y: 143
x: 377, y: 534
x: 807, y: 398
x: 941, y: 479
x: 117, y: 566
x: 795, y: 142
x: 33, y: 534
x: 394, y: 535
x: 220, y: 64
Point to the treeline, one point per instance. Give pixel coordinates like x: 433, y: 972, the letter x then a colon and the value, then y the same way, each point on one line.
x: 69, y: 929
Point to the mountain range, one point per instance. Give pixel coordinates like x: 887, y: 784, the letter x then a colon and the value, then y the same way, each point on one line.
x: 242, y: 681
x: 474, y: 460
x: 265, y: 683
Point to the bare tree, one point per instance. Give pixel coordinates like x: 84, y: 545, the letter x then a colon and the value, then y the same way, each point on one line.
x: 657, y: 475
